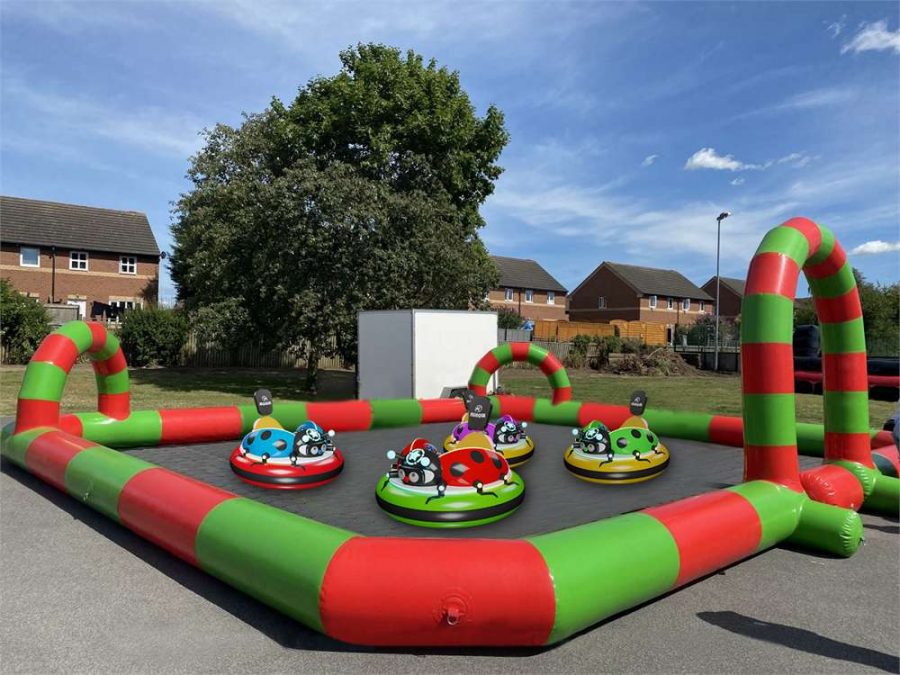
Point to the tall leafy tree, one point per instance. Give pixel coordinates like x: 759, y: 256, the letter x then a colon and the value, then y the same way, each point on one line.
x: 362, y: 193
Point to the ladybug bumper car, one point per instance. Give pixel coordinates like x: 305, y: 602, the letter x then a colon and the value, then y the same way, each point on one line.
x: 626, y: 455
x: 271, y: 457
x: 468, y: 486
x: 507, y: 437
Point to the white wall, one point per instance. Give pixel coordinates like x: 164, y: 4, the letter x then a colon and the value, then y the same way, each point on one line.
x: 385, y: 354
x: 447, y: 347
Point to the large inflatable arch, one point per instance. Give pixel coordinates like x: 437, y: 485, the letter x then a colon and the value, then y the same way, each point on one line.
x: 510, y: 352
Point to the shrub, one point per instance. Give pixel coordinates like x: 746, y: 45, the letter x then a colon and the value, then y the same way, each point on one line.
x: 577, y: 356
x: 613, y: 344
x: 508, y: 318
x: 223, y: 324
x: 153, y: 337
x: 24, y: 322
x: 632, y: 346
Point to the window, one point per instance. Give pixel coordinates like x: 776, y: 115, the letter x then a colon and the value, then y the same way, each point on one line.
x: 601, y: 302
x: 686, y: 304
x: 78, y: 260
x: 29, y: 257
x: 127, y: 264
x: 702, y: 306
x: 551, y: 298
x: 509, y: 295
x: 670, y: 303
x: 529, y: 295
x: 652, y: 302
x: 120, y: 307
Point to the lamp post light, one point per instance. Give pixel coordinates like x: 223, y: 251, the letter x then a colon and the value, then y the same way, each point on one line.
x: 722, y: 216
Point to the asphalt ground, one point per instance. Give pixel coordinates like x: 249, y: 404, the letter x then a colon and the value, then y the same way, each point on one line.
x: 79, y: 593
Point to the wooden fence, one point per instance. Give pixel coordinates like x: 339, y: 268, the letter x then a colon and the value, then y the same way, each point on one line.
x: 564, y: 331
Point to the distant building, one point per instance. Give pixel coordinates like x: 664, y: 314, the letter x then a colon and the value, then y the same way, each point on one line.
x: 731, y: 294
x: 101, y: 260
x: 632, y: 293
x: 529, y: 289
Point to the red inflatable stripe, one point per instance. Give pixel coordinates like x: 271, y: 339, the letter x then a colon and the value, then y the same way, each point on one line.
x: 520, y: 407
x: 809, y: 230
x: 114, y: 364
x: 854, y: 447
x: 832, y: 484
x: 711, y: 531
x: 845, y: 372
x: 341, y: 415
x: 831, y: 265
x: 167, y: 508
x: 35, y: 412
x: 489, y: 362
x: 117, y: 406
x: 767, y: 368
x: 611, y: 415
x: 773, y: 273
x: 98, y: 336
x: 49, y: 455
x: 837, y: 310
x: 777, y: 463
x: 71, y: 424
x: 197, y: 426
x: 519, y: 350
x: 478, y: 601
x: 727, y: 430
x: 58, y: 350
x: 442, y: 410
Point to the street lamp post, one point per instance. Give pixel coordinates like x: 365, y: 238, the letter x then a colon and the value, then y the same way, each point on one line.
x: 722, y: 216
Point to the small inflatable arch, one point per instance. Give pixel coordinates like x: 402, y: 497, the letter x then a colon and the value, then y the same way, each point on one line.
x: 767, y: 361
x: 534, y: 354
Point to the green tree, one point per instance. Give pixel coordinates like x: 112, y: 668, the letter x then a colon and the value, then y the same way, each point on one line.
x: 508, y: 318
x: 24, y: 322
x: 363, y: 193
x: 153, y: 337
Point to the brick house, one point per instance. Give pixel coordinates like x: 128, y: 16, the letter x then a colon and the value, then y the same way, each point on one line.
x: 731, y: 294
x: 529, y: 289
x: 101, y: 260
x: 632, y: 293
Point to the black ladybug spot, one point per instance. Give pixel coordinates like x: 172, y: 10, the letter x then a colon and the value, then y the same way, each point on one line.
x: 280, y: 445
x: 477, y: 456
x: 266, y: 435
x: 458, y: 469
x: 250, y: 439
x: 622, y: 442
x: 496, y: 460
x: 651, y: 438
x: 635, y: 433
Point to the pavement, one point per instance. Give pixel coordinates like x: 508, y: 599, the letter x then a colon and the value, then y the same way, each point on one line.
x: 79, y: 593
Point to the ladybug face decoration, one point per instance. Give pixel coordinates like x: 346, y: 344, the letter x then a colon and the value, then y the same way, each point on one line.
x: 507, y: 431
x: 593, y: 440
x: 418, y: 466
x: 310, y: 440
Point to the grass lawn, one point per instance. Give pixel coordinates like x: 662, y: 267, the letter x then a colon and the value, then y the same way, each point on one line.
x: 187, y: 387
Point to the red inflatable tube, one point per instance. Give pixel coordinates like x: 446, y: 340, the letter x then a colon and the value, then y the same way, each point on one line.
x: 873, y: 380
x: 833, y: 485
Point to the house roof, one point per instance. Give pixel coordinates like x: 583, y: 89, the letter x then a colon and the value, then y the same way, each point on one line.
x: 653, y: 281
x: 736, y: 285
x: 525, y: 273
x: 41, y: 223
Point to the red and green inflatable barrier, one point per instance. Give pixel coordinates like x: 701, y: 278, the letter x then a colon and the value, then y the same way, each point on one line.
x: 534, y: 591
x: 536, y: 355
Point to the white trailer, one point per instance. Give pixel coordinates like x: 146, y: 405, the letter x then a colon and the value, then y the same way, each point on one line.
x: 421, y: 353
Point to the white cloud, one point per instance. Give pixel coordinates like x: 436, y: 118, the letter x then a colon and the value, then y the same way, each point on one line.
x: 873, y: 37
x: 737, y: 181
x: 649, y: 159
x: 708, y: 158
x: 875, y: 247
x: 835, y: 27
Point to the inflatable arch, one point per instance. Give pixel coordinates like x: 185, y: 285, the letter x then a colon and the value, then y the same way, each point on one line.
x: 335, y: 581
x: 534, y: 354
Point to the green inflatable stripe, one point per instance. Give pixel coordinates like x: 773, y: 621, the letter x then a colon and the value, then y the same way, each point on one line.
x: 396, y: 413
x: 863, y: 474
x: 559, y: 379
x: 563, y: 414
x: 846, y: 337
x: 79, y: 333
x: 109, y: 348
x: 503, y: 353
x: 14, y: 447
x: 787, y: 241
x: 274, y: 556
x: 537, y: 354
x: 480, y: 377
x: 766, y: 317
x: 113, y: 384
x: 143, y: 427
x: 693, y: 426
x: 828, y: 528
x: 847, y: 411
x: 96, y: 476
x: 839, y: 283
x: 606, y: 567
x: 43, y: 381
x: 885, y: 495
x: 778, y: 412
x: 825, y: 248
x: 778, y: 509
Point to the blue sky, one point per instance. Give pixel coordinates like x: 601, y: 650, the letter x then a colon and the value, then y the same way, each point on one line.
x: 632, y: 125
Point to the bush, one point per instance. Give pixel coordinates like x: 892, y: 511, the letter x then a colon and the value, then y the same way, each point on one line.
x: 613, y: 344
x: 223, y: 324
x: 24, y: 322
x: 508, y: 318
x: 632, y: 346
x: 577, y: 356
x: 153, y: 337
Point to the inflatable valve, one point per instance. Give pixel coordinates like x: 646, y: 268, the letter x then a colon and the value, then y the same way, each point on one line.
x: 636, y: 405
x: 264, y: 406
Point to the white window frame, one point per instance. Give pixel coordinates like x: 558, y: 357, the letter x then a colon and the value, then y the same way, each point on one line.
x: 601, y: 302
x: 670, y: 303
x: 529, y: 295
x: 702, y: 309
x: 509, y: 295
x: 686, y: 305
x: 551, y: 297
x: 22, y: 250
x: 653, y: 301
x: 74, y: 263
x: 123, y: 264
